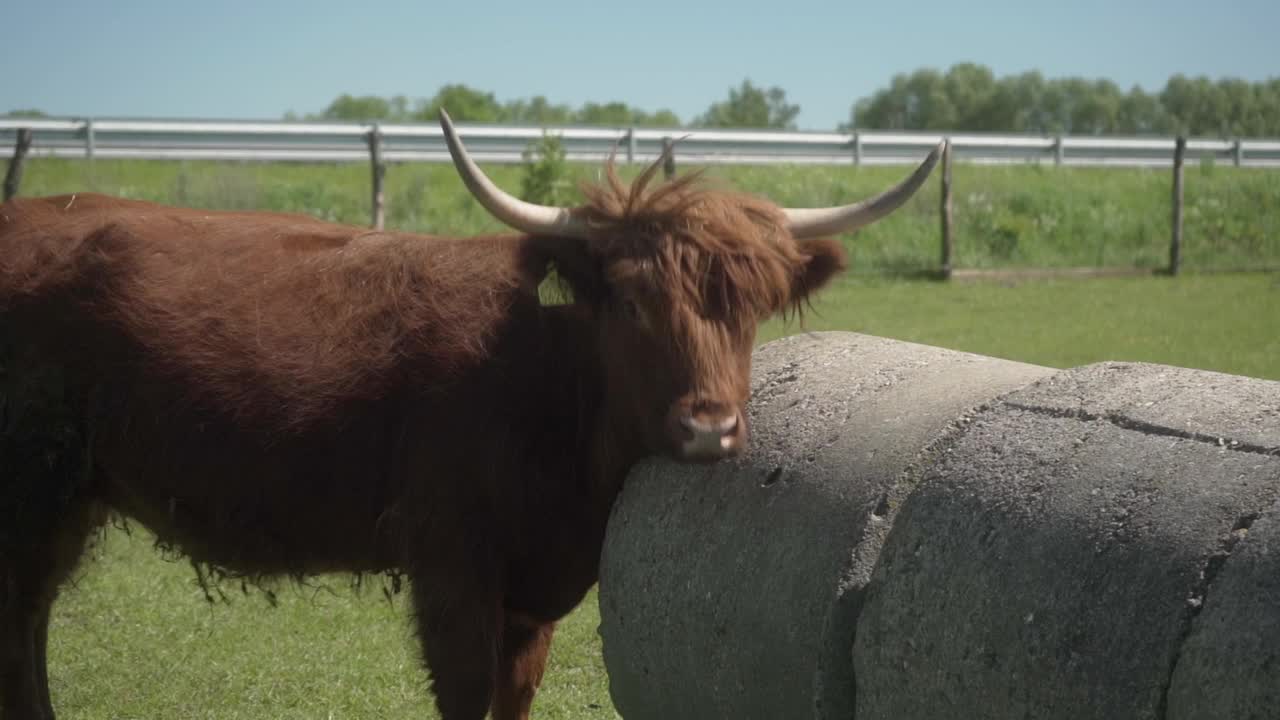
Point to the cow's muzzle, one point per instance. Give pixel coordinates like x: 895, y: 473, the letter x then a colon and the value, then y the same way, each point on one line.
x: 709, y: 434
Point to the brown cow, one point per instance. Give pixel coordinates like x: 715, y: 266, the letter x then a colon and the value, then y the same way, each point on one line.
x: 275, y: 395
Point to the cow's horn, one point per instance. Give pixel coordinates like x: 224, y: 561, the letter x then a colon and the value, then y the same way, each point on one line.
x: 523, y: 216
x: 814, y: 222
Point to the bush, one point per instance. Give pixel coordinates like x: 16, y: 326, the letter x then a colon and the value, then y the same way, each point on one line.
x: 543, y: 180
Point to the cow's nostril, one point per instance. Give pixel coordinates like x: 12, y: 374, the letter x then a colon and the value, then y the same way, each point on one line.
x: 708, y: 437
x: 699, y: 426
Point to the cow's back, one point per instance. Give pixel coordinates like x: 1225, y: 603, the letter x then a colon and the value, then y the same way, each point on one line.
x: 265, y: 318
x: 66, y: 243
x: 227, y: 364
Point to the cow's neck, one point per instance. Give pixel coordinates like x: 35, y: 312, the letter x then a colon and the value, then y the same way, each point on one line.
x: 575, y: 376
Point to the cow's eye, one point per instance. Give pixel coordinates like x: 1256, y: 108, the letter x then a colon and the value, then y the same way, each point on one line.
x: 631, y: 309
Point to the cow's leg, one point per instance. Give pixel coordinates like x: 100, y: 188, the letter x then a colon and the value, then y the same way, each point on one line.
x: 522, y: 658
x: 41, y: 660
x: 35, y: 564
x: 20, y: 696
x: 459, y: 645
x: 457, y: 605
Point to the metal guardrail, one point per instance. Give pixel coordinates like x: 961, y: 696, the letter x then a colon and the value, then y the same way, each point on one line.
x: 347, y: 142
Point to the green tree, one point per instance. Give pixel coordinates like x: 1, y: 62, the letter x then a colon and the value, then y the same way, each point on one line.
x: 467, y: 104
x: 967, y: 92
x: 928, y: 103
x: 886, y: 109
x: 26, y: 113
x: 1017, y: 104
x: 658, y: 118
x: 1080, y: 106
x: 1241, y: 111
x: 1095, y: 107
x: 620, y: 114
x: 1141, y: 114
x: 1268, y: 98
x: 399, y: 105
x: 611, y: 113
x: 751, y: 107
x: 922, y: 100
x: 360, y: 109
x: 1191, y: 104
x: 464, y: 104
x: 536, y: 110
x: 969, y: 97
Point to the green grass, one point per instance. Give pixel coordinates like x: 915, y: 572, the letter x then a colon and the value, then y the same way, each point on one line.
x: 1224, y: 322
x: 135, y: 638
x: 1012, y: 216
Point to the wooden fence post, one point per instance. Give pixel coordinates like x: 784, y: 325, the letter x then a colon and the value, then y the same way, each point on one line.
x: 13, y: 177
x: 669, y: 158
x: 1175, y: 247
x: 947, y: 231
x: 374, y: 139
x: 90, y: 141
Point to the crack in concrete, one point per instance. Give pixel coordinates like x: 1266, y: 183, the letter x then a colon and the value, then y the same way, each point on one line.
x: 880, y: 523
x: 1146, y: 428
x: 1217, y: 560
x: 1199, y: 593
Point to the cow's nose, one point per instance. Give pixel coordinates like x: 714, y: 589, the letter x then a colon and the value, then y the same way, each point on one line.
x: 710, y: 436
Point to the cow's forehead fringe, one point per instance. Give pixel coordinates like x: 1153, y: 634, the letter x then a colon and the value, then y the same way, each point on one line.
x: 700, y: 239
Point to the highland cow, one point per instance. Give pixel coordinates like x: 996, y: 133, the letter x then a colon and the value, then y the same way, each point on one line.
x: 276, y: 395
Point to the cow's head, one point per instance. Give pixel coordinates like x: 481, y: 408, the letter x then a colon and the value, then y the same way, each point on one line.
x: 679, y: 276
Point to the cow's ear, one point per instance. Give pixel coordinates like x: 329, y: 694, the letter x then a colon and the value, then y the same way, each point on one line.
x: 824, y: 258
x: 564, y: 270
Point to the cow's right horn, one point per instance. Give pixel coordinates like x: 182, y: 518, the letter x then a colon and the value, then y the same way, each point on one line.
x: 812, y: 222
x: 523, y: 216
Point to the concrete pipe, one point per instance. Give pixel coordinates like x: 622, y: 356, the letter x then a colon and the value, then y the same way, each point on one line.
x: 918, y: 532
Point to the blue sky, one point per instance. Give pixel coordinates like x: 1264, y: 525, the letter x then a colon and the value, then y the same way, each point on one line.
x: 258, y: 59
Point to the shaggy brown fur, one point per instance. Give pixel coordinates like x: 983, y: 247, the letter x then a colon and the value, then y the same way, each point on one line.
x: 695, y: 239
x: 277, y: 395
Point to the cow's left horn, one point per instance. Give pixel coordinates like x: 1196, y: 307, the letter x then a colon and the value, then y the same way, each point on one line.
x: 523, y: 216
x: 815, y: 222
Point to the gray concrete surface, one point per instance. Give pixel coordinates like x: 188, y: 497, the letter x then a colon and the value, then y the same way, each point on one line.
x: 731, y: 590
x: 1050, y: 563
x: 922, y: 533
x: 1230, y: 664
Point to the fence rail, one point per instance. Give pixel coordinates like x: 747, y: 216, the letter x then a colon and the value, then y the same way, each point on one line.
x: 382, y: 144
x: 348, y: 142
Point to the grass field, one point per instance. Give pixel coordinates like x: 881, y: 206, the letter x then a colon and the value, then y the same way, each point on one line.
x: 1229, y: 322
x: 135, y: 638
x: 1015, y: 216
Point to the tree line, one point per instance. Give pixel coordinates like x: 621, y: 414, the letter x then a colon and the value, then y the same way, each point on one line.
x: 966, y: 97
x: 970, y: 97
x: 746, y: 106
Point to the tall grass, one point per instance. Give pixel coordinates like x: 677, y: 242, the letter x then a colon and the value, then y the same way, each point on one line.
x: 1006, y: 216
